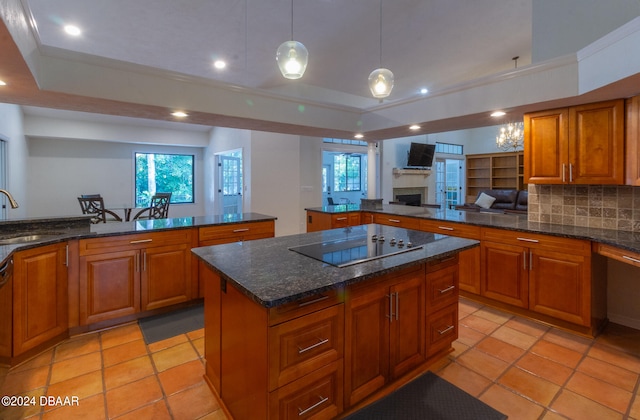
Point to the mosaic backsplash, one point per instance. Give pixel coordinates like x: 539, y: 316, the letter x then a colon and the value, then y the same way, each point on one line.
x: 596, y: 206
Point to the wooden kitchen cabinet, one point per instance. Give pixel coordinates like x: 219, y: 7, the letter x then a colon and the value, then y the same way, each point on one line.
x: 317, y: 221
x: 544, y: 274
x: 576, y: 145
x: 632, y: 141
x: 124, y: 275
x: 385, y: 329
x: 397, y: 221
x: 227, y: 233
x: 40, y: 300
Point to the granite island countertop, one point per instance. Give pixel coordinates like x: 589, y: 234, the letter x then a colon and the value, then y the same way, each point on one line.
x: 271, y: 274
x: 516, y: 222
x: 60, y: 229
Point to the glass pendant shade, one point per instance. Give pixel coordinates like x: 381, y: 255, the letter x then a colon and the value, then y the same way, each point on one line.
x: 381, y: 82
x: 292, y: 58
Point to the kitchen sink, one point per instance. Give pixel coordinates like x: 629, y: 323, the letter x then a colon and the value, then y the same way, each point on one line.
x: 25, y: 239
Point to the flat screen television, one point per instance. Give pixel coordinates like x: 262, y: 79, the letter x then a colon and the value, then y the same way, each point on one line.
x: 421, y: 155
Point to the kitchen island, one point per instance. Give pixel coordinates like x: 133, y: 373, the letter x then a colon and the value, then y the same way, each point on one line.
x: 288, y: 335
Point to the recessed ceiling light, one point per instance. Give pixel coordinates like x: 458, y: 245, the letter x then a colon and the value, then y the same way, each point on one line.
x: 414, y: 127
x: 72, y: 30
x: 424, y: 91
x: 179, y: 114
x: 359, y: 136
x: 3, y: 83
x: 219, y: 64
x: 498, y: 114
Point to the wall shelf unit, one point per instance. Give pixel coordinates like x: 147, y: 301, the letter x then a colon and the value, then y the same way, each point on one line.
x: 494, y: 171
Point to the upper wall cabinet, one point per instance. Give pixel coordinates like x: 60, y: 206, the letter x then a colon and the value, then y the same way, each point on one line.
x: 576, y: 145
x: 633, y: 141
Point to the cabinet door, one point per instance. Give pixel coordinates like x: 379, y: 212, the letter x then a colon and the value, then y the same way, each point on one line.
x: 469, y: 270
x: 545, y: 147
x: 559, y: 285
x: 596, y: 143
x: 109, y: 286
x: 367, y: 343
x: 505, y: 275
x: 317, y: 221
x: 632, y: 141
x: 407, y: 327
x: 40, y: 310
x: 166, y: 276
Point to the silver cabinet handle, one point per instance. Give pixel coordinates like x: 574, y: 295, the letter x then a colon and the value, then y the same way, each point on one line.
x: 635, y: 260
x: 535, y: 241
x: 448, y: 289
x: 570, y: 172
x: 313, y: 346
x: 445, y: 228
x: 390, y: 316
x: 394, y: 220
x: 341, y: 218
x: 240, y: 230
x: 446, y: 330
x: 302, y: 412
x: 141, y: 241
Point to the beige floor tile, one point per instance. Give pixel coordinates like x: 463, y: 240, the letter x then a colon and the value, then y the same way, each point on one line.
x: 547, y: 369
x: 599, y: 391
x: 609, y: 373
x: 77, y: 366
x: 127, y: 372
x: 174, y: 356
x: 568, y: 340
x: 132, y: 396
x: 486, y: 365
x: 192, y: 403
x: 499, y: 349
x: 530, y: 386
x: 479, y: 324
x: 469, y: 336
x: 465, y: 379
x: 511, y: 404
x: 616, y: 357
x: 575, y: 406
x: 514, y: 337
x: 123, y: 352
x: 181, y: 377
x: 120, y: 335
x: 557, y: 353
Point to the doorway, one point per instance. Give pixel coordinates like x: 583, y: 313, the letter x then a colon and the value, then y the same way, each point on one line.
x: 448, y: 182
x: 230, y: 184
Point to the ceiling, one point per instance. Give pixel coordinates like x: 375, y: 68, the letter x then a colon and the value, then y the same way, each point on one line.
x: 433, y: 44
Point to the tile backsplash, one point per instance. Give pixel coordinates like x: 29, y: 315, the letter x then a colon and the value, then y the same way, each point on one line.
x: 596, y: 206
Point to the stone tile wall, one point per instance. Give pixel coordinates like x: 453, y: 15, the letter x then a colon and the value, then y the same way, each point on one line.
x: 597, y: 206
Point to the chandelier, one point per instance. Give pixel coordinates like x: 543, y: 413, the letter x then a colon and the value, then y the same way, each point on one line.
x: 511, y: 137
x: 292, y: 56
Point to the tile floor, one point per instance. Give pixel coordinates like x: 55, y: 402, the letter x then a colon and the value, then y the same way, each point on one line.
x: 524, y: 369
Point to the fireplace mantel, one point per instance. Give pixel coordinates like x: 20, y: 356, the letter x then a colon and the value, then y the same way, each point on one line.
x: 397, y: 172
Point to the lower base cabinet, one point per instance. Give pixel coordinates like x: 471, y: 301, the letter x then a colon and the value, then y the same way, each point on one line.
x: 321, y: 356
x: 40, y: 301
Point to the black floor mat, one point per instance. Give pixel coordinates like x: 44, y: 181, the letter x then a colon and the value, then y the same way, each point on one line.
x: 428, y: 397
x: 160, y: 327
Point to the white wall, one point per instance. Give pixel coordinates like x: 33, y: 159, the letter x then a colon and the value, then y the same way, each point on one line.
x: 11, y: 130
x: 59, y: 170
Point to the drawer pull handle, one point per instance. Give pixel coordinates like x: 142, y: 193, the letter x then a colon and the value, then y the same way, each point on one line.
x: 635, y: 260
x: 445, y: 228
x: 535, y: 241
x: 323, y: 400
x: 446, y: 330
x: 313, y: 346
x: 394, y: 220
x: 341, y: 218
x: 448, y: 289
x: 311, y: 302
x: 141, y: 241
x: 240, y: 230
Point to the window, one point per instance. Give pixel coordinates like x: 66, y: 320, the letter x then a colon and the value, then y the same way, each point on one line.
x: 345, y: 141
x: 346, y: 172
x: 156, y: 172
x: 452, y: 149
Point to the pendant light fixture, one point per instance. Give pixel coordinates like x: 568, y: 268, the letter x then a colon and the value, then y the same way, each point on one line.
x: 381, y: 79
x: 292, y: 56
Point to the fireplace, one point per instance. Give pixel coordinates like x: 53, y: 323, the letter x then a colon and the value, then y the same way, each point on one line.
x: 409, y: 199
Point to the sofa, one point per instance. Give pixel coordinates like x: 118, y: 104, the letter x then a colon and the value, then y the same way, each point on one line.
x: 499, y: 201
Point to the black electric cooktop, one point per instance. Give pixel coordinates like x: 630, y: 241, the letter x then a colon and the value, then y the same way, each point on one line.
x: 358, y: 249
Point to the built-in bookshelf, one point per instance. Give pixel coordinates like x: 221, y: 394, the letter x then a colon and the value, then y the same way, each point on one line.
x: 494, y: 171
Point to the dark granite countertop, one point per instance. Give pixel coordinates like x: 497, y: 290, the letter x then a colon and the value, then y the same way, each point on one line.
x: 618, y: 238
x: 60, y: 229
x: 271, y: 274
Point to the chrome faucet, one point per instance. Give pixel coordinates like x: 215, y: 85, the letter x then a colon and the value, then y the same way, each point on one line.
x: 14, y: 203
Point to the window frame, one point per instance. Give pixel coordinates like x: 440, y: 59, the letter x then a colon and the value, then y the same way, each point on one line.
x: 174, y: 197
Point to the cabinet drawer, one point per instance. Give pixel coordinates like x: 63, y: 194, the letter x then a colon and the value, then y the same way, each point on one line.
x: 536, y: 240
x: 399, y: 221
x: 619, y: 254
x: 442, y: 288
x: 135, y: 241
x: 304, y: 344
x: 345, y: 219
x: 237, y: 232
x: 305, y: 306
x: 317, y: 395
x: 451, y: 229
x: 442, y: 329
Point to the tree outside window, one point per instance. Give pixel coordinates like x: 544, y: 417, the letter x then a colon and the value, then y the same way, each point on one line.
x: 346, y: 172
x: 156, y: 172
